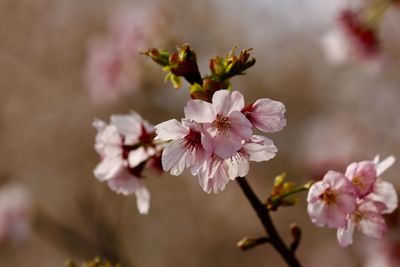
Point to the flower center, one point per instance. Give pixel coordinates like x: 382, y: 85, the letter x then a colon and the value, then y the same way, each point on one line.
x: 222, y: 124
x: 193, y: 139
x: 329, y: 196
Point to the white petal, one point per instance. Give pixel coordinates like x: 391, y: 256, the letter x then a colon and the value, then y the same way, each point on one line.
x: 142, y: 198
x: 385, y: 164
x: 174, y: 157
x: 345, y: 234
x: 260, y: 148
x: 224, y: 102
x: 99, y: 124
x: 238, y: 166
x: 137, y: 156
x: 170, y: 130
x: 108, y: 168
x: 199, y: 111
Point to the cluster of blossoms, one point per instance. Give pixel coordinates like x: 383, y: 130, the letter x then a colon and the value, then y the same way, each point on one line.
x: 15, y: 213
x: 126, y: 148
x: 356, y: 34
x: 216, y: 141
x: 356, y: 199
x: 113, y: 66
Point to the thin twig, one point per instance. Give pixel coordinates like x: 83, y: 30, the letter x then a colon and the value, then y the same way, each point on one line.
x: 263, y: 214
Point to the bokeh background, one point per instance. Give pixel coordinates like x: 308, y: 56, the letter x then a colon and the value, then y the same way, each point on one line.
x: 335, y: 115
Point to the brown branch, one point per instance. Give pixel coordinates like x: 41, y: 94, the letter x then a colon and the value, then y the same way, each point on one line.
x: 264, y: 216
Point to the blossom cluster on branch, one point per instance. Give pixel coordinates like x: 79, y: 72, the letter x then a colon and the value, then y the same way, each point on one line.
x: 356, y: 199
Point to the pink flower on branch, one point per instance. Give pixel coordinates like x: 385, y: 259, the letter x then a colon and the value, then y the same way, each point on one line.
x: 330, y: 200
x: 224, y: 125
x: 185, y: 149
x: 125, y: 146
x: 371, y: 198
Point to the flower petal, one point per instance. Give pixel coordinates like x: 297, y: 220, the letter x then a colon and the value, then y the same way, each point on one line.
x: 108, y: 168
x: 345, y: 234
x: 225, y: 101
x: 372, y: 225
x: 240, y: 125
x: 174, y: 157
x: 385, y: 164
x: 268, y: 115
x: 385, y: 193
x: 259, y: 148
x: 137, y: 156
x: 142, y: 198
x: 170, y: 130
x: 130, y: 126
x: 124, y: 183
x: 199, y: 111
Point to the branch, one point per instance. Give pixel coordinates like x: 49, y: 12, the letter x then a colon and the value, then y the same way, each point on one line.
x: 263, y: 214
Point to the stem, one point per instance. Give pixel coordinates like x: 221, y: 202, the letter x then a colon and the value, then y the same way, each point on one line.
x: 263, y: 214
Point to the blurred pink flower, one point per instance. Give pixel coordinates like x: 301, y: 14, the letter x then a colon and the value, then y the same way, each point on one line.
x: 331, y: 200
x: 114, y: 65
x: 352, y: 39
x: 266, y: 115
x: 224, y: 125
x: 124, y: 147
x: 15, y: 213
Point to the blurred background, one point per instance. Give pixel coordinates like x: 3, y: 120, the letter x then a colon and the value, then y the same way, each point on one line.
x: 335, y: 115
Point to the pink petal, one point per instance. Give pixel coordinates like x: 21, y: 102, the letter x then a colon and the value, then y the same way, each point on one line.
x: 170, y: 130
x: 108, y: 168
x: 259, y: 148
x: 124, y: 183
x: 224, y: 102
x: 384, y: 192
x: 137, y: 156
x: 372, y: 225
x: 174, y: 157
x: 224, y: 146
x: 345, y: 234
x: 363, y: 176
x: 200, y: 111
x: 268, y: 115
x: 240, y: 125
x: 130, y: 126
x: 215, y: 183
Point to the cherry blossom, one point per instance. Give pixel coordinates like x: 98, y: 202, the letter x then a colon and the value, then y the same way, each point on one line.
x: 218, y: 172
x: 331, y: 200
x: 113, y: 63
x: 15, y: 213
x: 266, y: 115
x: 185, y: 149
x: 351, y: 39
x: 224, y: 125
x: 124, y: 147
x: 367, y: 219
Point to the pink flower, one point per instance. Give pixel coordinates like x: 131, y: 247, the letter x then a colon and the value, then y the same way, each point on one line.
x: 224, y: 126
x: 185, y: 150
x: 124, y: 147
x: 113, y: 66
x: 367, y: 219
x: 331, y: 200
x: 266, y: 115
x: 15, y: 213
x: 218, y: 172
x: 364, y: 174
x: 352, y: 39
